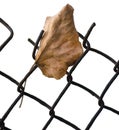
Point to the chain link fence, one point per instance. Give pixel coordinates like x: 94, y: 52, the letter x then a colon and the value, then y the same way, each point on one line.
x: 70, y: 81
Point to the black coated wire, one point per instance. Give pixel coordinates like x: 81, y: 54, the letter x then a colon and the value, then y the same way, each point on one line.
x: 10, y: 36
x: 70, y: 81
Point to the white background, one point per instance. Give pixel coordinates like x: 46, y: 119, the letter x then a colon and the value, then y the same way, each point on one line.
x: 27, y: 19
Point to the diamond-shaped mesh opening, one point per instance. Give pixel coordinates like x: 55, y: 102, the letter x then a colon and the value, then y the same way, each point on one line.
x: 77, y: 103
x: 93, y: 69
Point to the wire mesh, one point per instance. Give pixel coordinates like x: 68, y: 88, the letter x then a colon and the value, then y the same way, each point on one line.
x: 70, y: 81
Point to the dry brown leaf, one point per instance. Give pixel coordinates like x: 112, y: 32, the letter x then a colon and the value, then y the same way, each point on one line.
x: 60, y: 46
